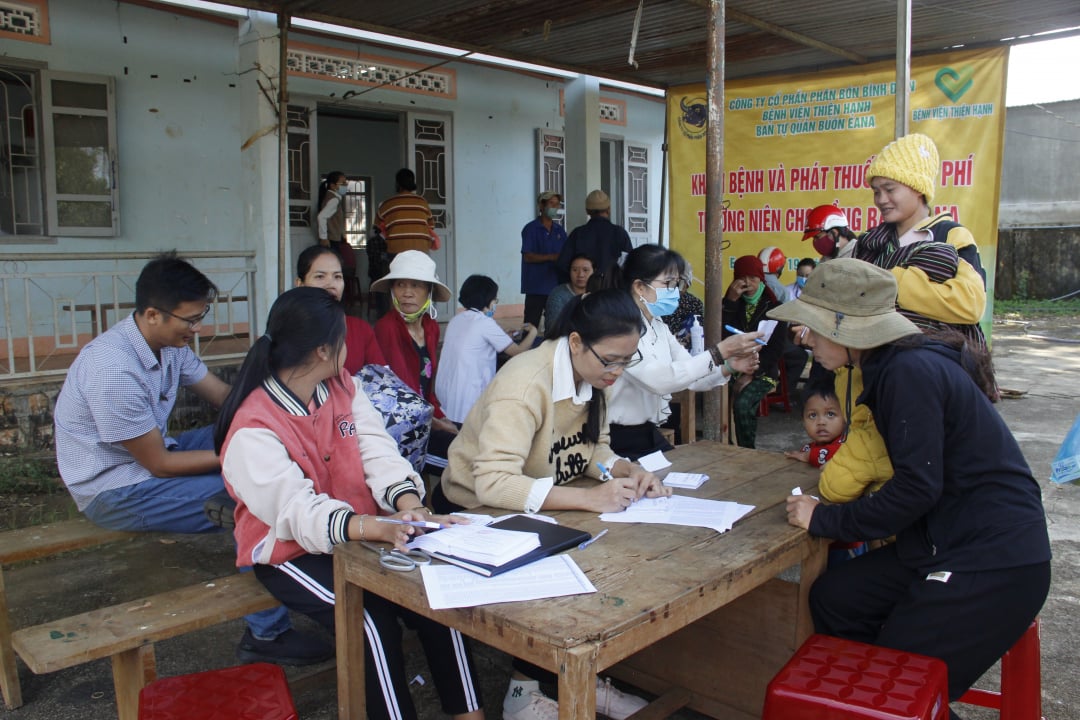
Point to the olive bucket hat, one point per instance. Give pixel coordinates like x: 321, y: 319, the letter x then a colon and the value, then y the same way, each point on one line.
x: 849, y: 302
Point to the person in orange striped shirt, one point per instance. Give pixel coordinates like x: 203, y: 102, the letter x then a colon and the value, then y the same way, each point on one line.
x: 405, y: 219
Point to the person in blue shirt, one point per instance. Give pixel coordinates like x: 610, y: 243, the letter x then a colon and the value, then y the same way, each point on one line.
x: 542, y: 240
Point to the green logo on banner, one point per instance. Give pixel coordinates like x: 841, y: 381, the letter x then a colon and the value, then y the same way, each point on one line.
x: 954, y: 84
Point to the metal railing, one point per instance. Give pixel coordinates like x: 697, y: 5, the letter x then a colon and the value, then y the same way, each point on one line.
x: 53, y: 304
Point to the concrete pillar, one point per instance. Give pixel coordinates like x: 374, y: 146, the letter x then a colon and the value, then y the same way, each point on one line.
x: 582, y: 108
x: 259, y: 152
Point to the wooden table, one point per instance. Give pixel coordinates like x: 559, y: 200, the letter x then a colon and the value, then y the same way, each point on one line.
x: 716, y: 623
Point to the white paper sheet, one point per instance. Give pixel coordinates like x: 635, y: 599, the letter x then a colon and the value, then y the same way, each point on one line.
x: 654, y: 461
x: 689, y: 481
x: 452, y: 587
x: 682, y: 510
x: 767, y: 327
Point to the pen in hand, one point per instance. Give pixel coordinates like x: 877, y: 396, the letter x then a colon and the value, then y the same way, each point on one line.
x: 605, y: 474
x: 426, y: 524
x: 737, y: 331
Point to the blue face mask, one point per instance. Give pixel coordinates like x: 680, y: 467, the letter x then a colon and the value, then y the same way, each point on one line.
x: 490, y: 312
x: 342, y: 191
x: 801, y: 281
x: 667, y: 301
x: 551, y: 213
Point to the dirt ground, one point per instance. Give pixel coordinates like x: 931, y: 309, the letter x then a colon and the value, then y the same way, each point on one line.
x: 1037, y: 359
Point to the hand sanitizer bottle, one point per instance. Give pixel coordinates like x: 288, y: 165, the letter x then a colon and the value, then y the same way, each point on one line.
x: 697, y: 338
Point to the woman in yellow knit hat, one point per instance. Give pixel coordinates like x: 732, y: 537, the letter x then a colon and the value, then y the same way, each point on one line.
x: 940, y: 286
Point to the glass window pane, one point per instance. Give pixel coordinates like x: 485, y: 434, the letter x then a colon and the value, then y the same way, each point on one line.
x: 66, y: 93
x: 82, y: 157
x: 71, y: 213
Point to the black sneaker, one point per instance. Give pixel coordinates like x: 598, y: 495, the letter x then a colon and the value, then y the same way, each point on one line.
x: 291, y: 647
x: 219, y: 510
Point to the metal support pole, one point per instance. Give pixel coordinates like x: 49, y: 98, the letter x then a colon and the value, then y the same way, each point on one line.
x: 903, y: 68
x: 283, y: 151
x: 715, y: 405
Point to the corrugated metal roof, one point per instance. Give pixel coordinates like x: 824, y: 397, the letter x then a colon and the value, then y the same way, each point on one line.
x: 762, y: 36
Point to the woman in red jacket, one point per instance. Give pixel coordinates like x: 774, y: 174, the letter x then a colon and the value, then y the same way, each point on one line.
x: 409, y: 338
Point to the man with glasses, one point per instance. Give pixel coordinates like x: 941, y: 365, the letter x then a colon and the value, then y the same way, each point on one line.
x: 111, y: 419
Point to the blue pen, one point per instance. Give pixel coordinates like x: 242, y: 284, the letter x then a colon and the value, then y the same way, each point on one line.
x: 605, y: 474
x: 593, y: 539
x: 737, y: 331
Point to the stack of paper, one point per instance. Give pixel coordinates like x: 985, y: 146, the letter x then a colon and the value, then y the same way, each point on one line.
x: 689, y: 481
x: 682, y: 510
x: 477, y: 543
x: 450, y: 587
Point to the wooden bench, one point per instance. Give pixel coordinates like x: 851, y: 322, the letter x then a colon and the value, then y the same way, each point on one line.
x: 127, y: 632
x: 30, y: 544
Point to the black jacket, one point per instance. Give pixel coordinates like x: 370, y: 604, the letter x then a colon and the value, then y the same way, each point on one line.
x: 962, y: 497
x: 601, y: 240
x: 734, y: 314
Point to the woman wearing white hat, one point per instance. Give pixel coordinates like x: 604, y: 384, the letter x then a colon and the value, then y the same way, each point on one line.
x: 970, y: 568
x: 409, y: 338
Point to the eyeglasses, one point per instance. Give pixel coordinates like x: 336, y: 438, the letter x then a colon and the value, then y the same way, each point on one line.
x: 192, y: 322
x: 617, y: 364
x: 669, y: 283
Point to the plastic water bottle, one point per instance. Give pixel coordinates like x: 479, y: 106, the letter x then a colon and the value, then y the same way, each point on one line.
x: 697, y: 338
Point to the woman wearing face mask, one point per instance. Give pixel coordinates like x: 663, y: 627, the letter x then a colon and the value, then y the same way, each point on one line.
x: 409, y: 338
x: 331, y: 227
x: 745, y: 304
x: 639, y: 403
x: 473, y: 340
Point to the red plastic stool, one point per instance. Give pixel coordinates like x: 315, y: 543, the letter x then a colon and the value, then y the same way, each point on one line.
x: 246, y: 692
x: 829, y: 678
x: 779, y: 396
x: 1021, y: 681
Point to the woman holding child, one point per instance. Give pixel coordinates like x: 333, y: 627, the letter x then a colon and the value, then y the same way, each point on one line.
x: 306, y: 458
x: 970, y: 567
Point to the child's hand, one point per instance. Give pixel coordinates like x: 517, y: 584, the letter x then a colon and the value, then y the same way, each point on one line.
x: 800, y: 455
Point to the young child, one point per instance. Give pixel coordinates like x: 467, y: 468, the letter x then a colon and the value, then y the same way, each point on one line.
x: 824, y: 423
x: 864, y: 467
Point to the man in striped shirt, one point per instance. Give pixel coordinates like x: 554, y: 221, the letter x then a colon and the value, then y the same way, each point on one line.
x: 405, y: 218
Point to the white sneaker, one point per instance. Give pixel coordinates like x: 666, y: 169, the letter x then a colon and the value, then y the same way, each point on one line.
x: 614, y: 703
x: 540, y: 707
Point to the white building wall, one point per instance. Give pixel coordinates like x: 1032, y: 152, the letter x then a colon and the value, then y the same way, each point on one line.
x: 179, y: 134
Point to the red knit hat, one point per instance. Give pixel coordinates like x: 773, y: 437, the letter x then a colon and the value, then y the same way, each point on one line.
x: 749, y: 266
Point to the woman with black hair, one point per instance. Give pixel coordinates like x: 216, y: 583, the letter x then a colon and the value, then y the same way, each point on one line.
x: 541, y: 423
x: 310, y: 466
x: 471, y: 346
x: 650, y: 276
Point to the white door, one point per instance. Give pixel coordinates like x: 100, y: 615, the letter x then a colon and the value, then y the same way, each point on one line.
x: 429, y: 137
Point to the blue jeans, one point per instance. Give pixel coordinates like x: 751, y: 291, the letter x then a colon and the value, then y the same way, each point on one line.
x: 176, y: 505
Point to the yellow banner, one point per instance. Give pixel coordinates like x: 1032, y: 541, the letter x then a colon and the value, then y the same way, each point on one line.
x: 792, y: 143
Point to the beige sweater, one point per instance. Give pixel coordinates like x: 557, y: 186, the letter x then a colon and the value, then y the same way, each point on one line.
x: 515, y: 433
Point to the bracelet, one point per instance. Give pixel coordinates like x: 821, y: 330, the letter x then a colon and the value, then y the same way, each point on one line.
x: 717, y: 356
x: 362, y: 517
x: 731, y: 371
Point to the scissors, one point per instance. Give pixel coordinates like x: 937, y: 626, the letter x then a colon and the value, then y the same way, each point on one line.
x: 396, y: 560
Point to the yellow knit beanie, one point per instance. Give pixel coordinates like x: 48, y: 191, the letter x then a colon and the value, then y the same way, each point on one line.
x: 912, y: 160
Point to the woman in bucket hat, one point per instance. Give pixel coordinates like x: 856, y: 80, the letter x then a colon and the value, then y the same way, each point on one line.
x: 409, y: 337
x: 970, y: 568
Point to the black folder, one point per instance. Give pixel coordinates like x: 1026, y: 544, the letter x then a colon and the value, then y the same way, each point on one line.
x: 553, y: 538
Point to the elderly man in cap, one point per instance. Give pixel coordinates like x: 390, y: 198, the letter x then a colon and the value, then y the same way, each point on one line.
x: 602, y: 240
x: 541, y: 241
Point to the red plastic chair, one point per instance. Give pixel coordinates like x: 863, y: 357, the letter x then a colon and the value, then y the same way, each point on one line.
x: 830, y: 678
x: 257, y: 691
x: 1021, y: 681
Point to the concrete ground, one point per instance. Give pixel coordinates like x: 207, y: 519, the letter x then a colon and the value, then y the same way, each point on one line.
x: 1048, y: 370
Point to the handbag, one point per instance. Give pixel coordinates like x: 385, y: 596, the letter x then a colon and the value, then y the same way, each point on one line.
x: 406, y: 414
